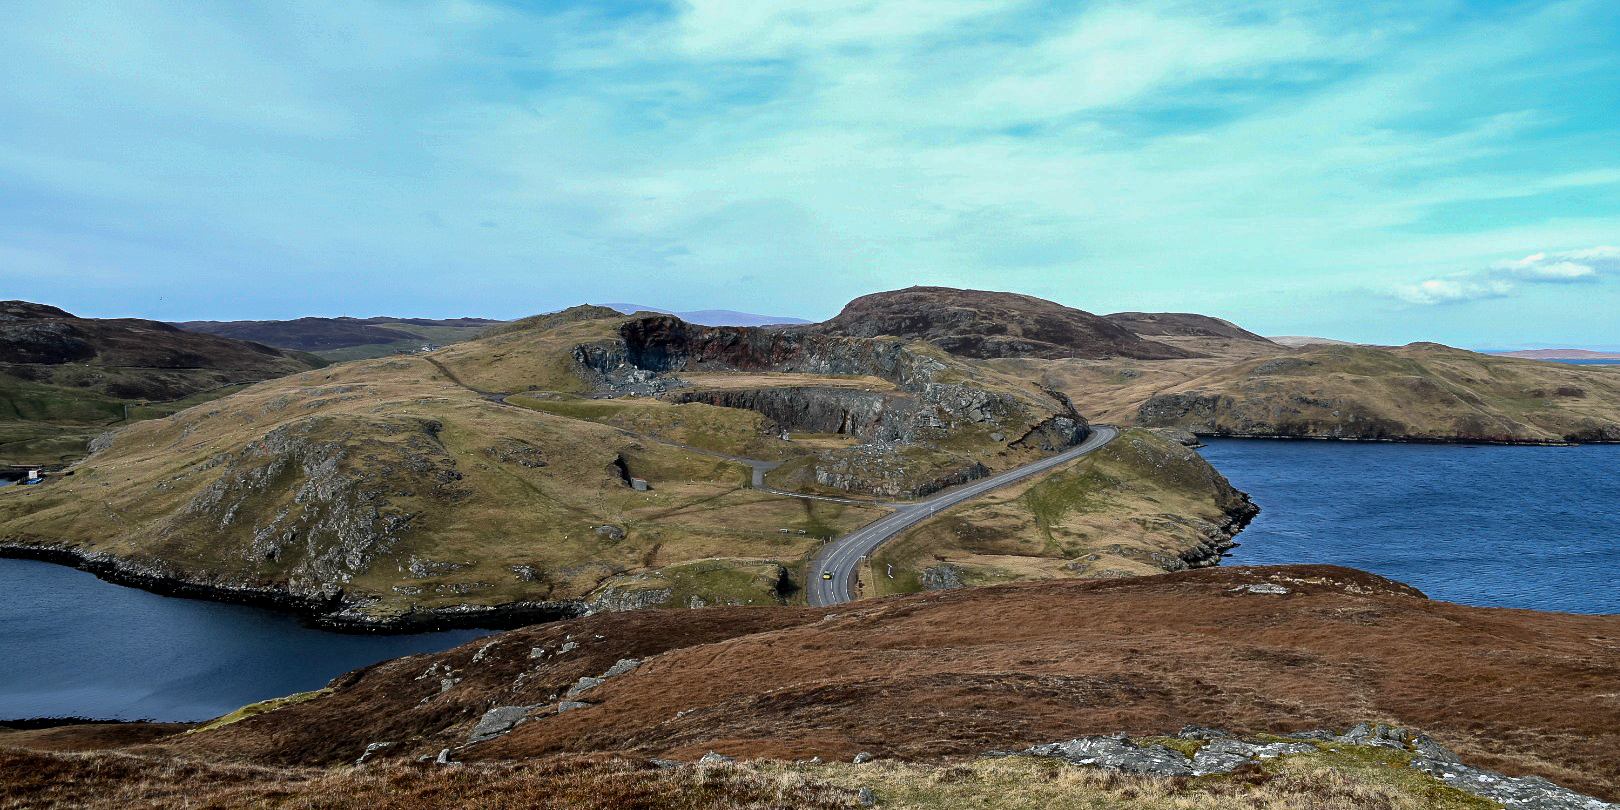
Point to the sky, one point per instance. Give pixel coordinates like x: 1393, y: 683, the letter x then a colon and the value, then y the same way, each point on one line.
x: 1366, y: 170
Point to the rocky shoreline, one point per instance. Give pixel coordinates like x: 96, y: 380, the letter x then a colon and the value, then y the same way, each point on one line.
x: 330, y: 612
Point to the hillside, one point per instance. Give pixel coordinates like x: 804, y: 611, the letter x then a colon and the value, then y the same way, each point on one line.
x: 927, y: 683
x: 1181, y: 324
x: 491, y: 481
x: 980, y: 324
x: 1418, y: 392
x: 63, y: 379
x: 339, y: 339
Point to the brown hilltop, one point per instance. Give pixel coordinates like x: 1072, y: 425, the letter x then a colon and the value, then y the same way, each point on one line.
x: 939, y: 676
x: 981, y: 324
x: 1182, y: 324
x: 45, y: 335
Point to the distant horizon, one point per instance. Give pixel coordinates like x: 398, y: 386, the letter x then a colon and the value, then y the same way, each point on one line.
x: 771, y: 318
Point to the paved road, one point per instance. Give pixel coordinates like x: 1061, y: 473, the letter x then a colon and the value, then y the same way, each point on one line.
x: 842, y: 556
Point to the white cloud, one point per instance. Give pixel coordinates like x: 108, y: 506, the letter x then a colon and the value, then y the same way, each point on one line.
x: 1588, y: 264
x: 1498, y: 280
x: 1452, y: 290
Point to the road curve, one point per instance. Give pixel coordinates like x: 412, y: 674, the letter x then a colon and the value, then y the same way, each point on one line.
x: 841, y: 556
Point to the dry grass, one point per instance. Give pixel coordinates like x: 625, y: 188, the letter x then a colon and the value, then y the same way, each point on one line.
x: 1025, y: 783
x: 123, y: 782
x: 1128, y: 509
x: 117, y: 780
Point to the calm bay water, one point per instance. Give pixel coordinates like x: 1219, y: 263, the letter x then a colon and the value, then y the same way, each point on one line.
x: 1524, y: 527
x: 72, y: 645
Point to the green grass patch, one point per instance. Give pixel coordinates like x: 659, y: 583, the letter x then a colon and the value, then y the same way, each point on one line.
x: 256, y: 709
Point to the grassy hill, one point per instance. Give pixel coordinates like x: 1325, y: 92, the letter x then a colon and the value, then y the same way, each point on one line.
x: 414, y: 489
x: 1422, y: 391
x: 65, y: 379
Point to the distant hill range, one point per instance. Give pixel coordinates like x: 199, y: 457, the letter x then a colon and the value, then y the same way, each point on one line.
x: 347, y: 338
x: 1561, y: 354
x: 712, y: 317
x: 64, y: 379
x: 1305, y: 340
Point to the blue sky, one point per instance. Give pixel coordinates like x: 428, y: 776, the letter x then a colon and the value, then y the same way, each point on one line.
x: 1369, y: 170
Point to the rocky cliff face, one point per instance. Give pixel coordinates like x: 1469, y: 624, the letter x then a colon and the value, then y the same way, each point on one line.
x: 979, y: 324
x: 938, y: 403
x: 666, y: 343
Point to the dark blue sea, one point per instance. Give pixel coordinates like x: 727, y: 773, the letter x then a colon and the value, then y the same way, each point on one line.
x: 1495, y: 526
x: 72, y: 645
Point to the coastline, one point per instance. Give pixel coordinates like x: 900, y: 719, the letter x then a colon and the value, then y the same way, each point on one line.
x: 1209, y: 434
x: 331, y: 613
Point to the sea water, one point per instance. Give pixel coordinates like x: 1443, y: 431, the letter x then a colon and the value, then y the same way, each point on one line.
x: 72, y: 645
x: 1487, y: 525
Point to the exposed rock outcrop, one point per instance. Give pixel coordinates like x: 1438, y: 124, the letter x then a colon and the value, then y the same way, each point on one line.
x: 1219, y: 752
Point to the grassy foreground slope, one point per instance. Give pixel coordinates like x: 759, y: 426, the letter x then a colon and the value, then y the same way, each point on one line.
x: 417, y: 489
x: 928, y: 682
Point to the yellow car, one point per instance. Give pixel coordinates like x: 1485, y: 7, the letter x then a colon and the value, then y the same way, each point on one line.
x: 826, y: 575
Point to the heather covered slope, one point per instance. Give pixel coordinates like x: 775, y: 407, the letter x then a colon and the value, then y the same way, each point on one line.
x: 1182, y: 324
x: 944, y: 676
x: 63, y: 379
x: 497, y: 473
x: 980, y: 324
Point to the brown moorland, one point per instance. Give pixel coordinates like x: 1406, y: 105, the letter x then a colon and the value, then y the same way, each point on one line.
x: 942, y: 676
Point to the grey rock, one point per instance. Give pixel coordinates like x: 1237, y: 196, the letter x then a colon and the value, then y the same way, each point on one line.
x: 1517, y: 792
x: 1117, y: 753
x: 1262, y: 587
x: 863, y: 757
x: 568, y: 646
x: 1224, y: 752
x: 444, y: 758
x: 569, y: 705
x: 371, y: 750
x: 866, y: 797
x: 498, y: 721
x: 1376, y: 734
x: 1427, y: 748
x: 942, y: 577
x: 712, y: 758
x: 623, y: 666
x: 584, y: 685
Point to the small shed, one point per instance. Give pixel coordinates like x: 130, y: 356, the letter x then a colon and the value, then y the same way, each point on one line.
x: 639, y: 484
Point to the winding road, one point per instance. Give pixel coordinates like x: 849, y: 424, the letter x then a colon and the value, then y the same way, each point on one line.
x: 842, y: 556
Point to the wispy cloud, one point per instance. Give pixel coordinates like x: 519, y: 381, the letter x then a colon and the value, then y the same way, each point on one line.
x: 1499, y: 280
